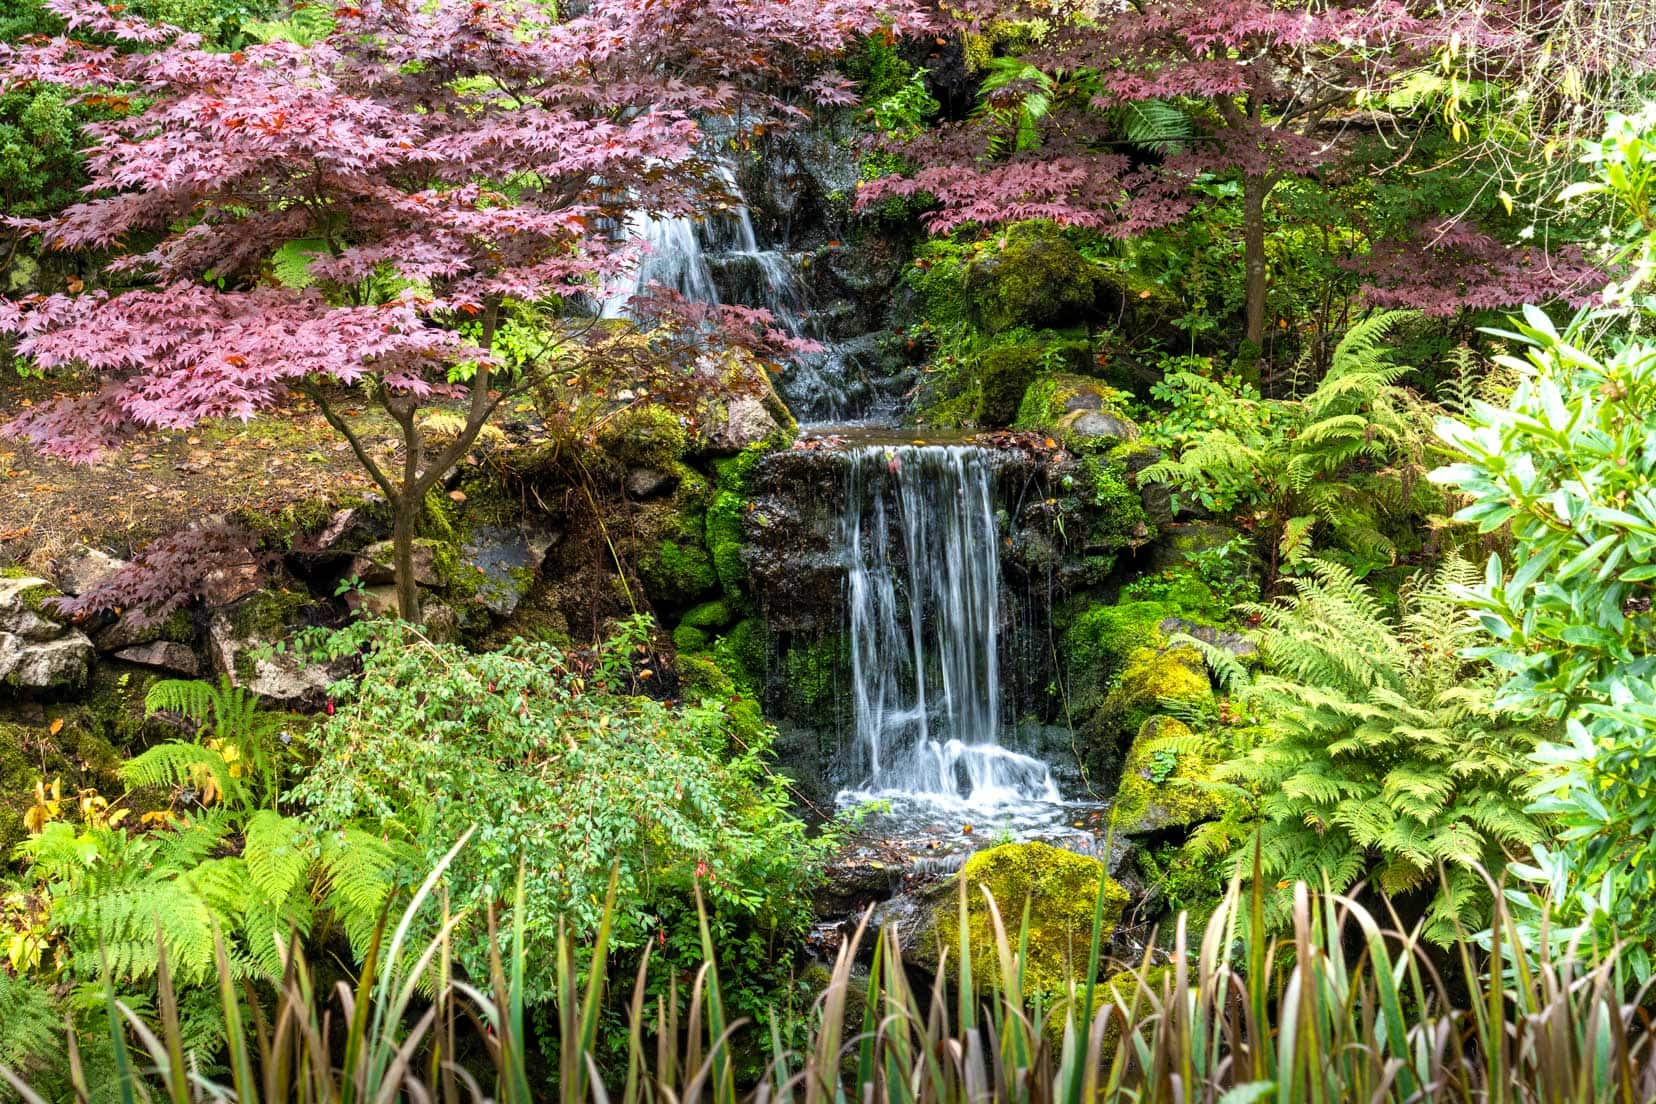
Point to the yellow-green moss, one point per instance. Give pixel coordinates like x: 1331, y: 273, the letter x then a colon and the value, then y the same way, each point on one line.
x: 688, y: 638
x: 709, y: 615
x: 1160, y: 781
x: 1061, y: 888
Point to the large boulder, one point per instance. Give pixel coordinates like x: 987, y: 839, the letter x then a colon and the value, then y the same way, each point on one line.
x: 38, y: 651
x: 1062, y: 889
x: 746, y: 421
x: 84, y: 567
x: 247, y: 643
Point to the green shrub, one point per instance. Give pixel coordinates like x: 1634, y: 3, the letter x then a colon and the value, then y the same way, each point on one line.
x: 570, y: 775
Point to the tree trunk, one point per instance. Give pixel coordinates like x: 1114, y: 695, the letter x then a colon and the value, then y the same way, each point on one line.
x: 405, y: 514
x: 1253, y: 255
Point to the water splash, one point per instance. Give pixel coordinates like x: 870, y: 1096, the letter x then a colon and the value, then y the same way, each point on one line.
x: 924, y: 599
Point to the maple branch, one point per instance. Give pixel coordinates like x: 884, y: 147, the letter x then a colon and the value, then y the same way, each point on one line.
x: 314, y: 393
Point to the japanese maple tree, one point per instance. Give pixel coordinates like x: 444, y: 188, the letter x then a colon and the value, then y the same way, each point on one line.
x: 1251, y: 90
x: 424, y: 165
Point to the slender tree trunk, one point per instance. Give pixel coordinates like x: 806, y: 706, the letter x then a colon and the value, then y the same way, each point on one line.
x: 1253, y: 254
x: 405, y: 524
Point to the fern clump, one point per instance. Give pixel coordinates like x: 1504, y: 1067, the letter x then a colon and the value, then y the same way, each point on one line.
x: 1385, y: 758
x: 1341, y: 473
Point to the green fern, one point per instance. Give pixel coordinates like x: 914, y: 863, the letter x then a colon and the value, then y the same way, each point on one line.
x: 1386, y: 757
x: 1336, y: 473
x: 242, y: 764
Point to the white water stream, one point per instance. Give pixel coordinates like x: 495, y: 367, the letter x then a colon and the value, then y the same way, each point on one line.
x: 924, y: 603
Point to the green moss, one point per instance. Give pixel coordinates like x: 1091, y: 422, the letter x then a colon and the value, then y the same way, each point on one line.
x: 1154, y: 678
x: 724, y: 540
x: 267, y: 615
x: 676, y: 573
x: 1160, y: 781
x: 741, y: 652
x: 645, y: 436
x: 808, y: 670
x: 1098, y: 640
x: 700, y: 676
x: 1061, y: 888
x: 1030, y: 276
x: 688, y: 638
x: 709, y: 615
x: 1004, y: 372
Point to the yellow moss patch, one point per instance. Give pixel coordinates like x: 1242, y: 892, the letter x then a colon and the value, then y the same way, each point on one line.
x: 1061, y: 888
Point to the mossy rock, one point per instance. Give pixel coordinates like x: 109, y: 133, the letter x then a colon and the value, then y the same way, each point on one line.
x: 709, y: 615
x: 741, y: 653
x: 1161, y: 781
x: 808, y: 672
x: 675, y: 572
x: 1033, y: 276
x: 1061, y: 888
x: 724, y: 540
x: 644, y: 436
x: 1153, y: 678
x: 1127, y: 989
x: 1004, y: 373
x: 268, y: 615
x: 689, y: 638
x: 1084, y: 411
x: 1098, y: 639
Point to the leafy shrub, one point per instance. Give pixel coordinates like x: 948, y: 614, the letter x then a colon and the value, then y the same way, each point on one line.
x: 1566, y: 466
x: 569, y: 773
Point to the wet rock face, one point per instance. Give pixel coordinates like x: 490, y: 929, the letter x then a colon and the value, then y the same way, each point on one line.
x: 788, y: 540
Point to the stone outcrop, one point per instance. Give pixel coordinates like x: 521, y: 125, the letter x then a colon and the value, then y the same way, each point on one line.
x: 37, y: 651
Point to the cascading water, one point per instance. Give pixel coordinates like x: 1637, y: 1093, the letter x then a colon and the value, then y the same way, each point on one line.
x: 698, y: 258
x: 924, y: 599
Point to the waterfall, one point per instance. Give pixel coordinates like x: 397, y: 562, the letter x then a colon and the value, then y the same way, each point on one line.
x: 719, y: 259
x: 924, y: 604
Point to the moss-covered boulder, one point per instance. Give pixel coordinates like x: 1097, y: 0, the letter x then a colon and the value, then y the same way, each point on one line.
x: 1161, y: 780
x: 1031, y: 275
x: 1085, y: 412
x: 1061, y: 888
